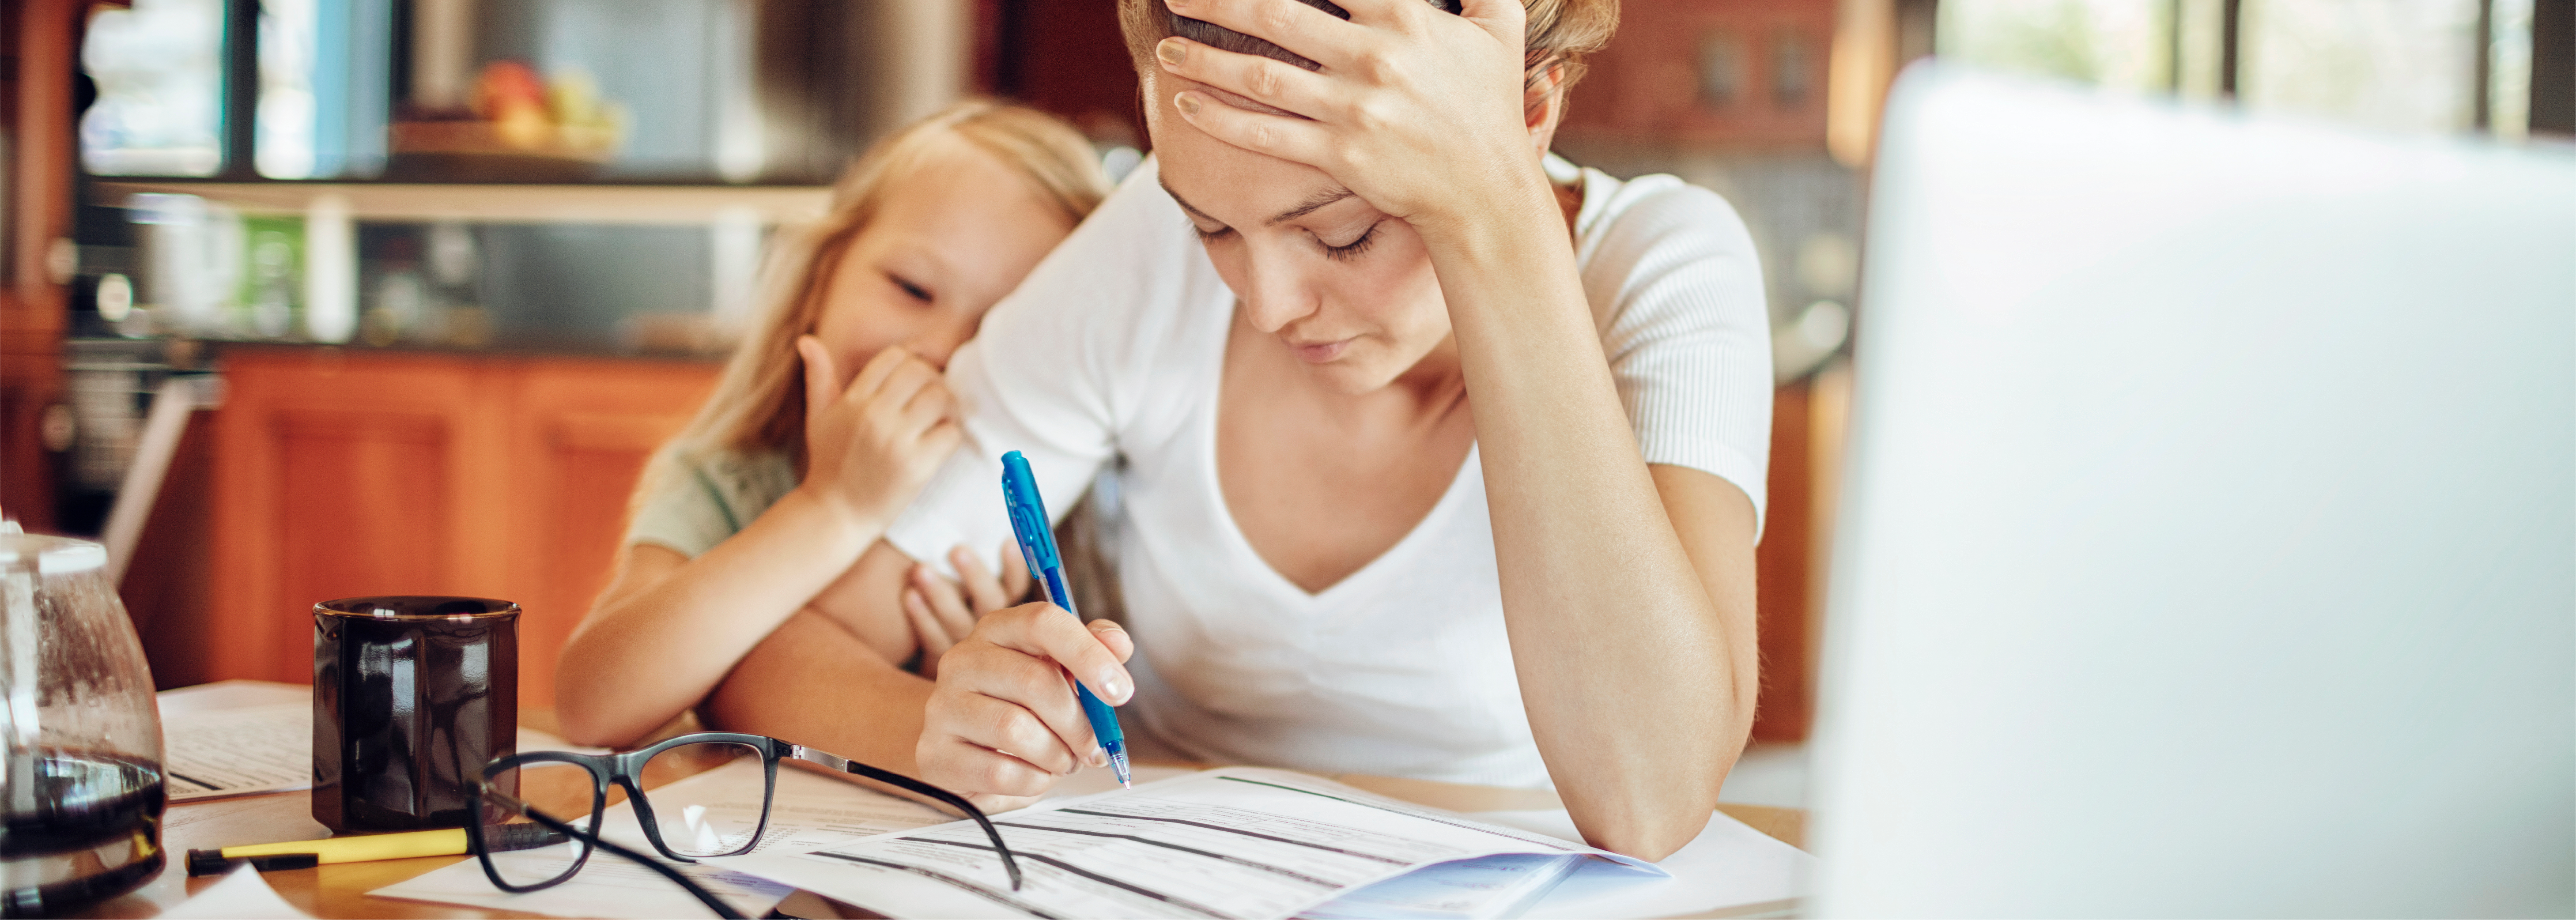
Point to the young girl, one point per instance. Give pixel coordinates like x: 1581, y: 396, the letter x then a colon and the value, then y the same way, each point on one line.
x: 828, y: 419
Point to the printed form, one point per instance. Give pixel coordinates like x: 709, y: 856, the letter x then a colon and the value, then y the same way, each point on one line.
x: 808, y: 812
x: 1236, y: 842
x: 238, y: 751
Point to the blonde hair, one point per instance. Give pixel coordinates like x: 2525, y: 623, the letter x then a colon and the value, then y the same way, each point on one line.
x: 759, y: 403
x: 1560, y: 33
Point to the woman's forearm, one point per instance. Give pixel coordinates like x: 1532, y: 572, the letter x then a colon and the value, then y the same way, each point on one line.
x: 656, y: 644
x: 1633, y: 685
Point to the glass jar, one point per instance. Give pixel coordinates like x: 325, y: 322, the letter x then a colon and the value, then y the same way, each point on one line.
x: 81, y: 794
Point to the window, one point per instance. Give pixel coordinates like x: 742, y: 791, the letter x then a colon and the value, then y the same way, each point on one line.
x: 2409, y: 65
x: 2120, y: 43
x: 159, y: 69
x: 2401, y: 64
x: 323, y: 87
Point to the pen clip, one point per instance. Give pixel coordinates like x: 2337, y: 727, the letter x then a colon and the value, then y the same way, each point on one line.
x: 1028, y: 514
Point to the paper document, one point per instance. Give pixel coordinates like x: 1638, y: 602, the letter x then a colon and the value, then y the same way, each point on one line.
x: 808, y: 812
x: 266, y: 748
x: 1236, y: 842
x: 1475, y: 889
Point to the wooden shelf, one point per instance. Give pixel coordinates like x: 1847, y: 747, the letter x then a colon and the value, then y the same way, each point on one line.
x: 553, y: 204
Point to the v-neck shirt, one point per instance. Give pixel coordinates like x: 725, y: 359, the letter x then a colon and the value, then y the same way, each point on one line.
x: 1111, y: 352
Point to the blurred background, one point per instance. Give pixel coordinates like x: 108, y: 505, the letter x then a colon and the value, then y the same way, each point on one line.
x: 313, y: 298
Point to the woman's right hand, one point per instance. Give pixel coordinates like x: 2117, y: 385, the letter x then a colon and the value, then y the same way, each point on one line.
x: 1002, y: 720
x: 872, y: 444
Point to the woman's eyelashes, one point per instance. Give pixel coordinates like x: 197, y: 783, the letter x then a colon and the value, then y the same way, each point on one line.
x: 1350, y: 250
x: 1339, y: 253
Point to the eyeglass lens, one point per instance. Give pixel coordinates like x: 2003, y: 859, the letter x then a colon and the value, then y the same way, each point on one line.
x: 701, y: 819
x: 523, y: 852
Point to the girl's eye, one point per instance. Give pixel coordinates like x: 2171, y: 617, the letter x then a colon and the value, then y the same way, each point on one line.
x: 914, y: 290
x: 1210, y: 236
x: 1352, y: 249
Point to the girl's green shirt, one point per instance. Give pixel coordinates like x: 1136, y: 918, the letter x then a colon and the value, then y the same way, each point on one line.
x: 693, y: 498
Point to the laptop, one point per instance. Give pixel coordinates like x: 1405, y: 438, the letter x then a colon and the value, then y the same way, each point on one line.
x: 2207, y: 543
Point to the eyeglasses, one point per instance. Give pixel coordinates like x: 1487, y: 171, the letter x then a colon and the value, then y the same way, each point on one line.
x: 541, y: 811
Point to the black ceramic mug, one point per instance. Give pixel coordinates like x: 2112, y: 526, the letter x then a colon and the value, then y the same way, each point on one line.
x: 411, y: 697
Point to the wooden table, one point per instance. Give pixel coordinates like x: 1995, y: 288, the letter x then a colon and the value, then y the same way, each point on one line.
x: 341, y: 890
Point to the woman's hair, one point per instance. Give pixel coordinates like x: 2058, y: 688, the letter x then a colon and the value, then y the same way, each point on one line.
x: 1560, y: 33
x: 759, y: 403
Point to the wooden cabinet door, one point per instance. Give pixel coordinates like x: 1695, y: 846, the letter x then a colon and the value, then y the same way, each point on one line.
x: 30, y: 382
x: 38, y: 43
x: 338, y: 477
x: 378, y: 473
x: 580, y: 432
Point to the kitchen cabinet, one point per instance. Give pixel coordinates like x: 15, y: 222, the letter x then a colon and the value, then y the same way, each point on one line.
x: 30, y: 390
x: 1789, y: 564
x: 37, y: 39
x: 342, y: 473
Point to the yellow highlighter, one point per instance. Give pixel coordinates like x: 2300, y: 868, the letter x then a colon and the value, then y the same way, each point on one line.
x: 305, y: 854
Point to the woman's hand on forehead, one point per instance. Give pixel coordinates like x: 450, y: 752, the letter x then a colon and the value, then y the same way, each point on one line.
x: 1417, y: 111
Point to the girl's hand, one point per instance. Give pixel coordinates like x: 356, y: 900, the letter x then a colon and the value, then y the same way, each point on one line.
x: 1003, y: 720
x: 941, y: 617
x: 871, y: 445
x: 1418, y: 111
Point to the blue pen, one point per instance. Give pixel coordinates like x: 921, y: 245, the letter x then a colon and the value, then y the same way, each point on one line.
x: 1037, y: 548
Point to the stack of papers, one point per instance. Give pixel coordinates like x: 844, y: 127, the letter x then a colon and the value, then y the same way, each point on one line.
x: 1236, y: 842
x: 267, y: 748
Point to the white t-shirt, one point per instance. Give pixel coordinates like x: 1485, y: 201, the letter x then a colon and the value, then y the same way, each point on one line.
x: 1113, y: 347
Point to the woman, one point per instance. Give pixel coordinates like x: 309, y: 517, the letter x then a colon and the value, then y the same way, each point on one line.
x: 1415, y: 484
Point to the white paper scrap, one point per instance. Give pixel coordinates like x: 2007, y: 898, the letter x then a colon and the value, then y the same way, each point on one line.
x: 1234, y: 842
x: 240, y: 895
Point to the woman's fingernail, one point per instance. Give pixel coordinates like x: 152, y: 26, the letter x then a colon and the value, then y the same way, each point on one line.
x: 1188, y: 104
x: 1098, y: 758
x: 1171, y: 51
x: 1112, y: 686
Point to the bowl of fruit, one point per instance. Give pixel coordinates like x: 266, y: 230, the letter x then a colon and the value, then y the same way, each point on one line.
x: 519, y: 128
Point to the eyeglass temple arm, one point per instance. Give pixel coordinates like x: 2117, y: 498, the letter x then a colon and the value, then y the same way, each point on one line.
x: 704, y: 896
x: 846, y: 765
